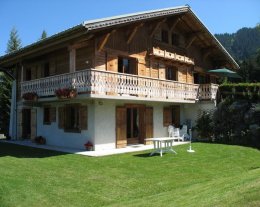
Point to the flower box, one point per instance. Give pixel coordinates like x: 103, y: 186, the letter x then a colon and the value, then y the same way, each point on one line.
x: 30, y: 96
x: 64, y: 93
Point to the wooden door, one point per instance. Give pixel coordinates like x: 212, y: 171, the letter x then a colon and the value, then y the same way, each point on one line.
x: 148, y: 124
x: 121, y: 140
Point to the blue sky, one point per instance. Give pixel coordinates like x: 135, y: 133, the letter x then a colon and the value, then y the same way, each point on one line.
x: 31, y: 17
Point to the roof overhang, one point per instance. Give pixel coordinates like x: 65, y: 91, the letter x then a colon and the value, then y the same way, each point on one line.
x: 116, y: 21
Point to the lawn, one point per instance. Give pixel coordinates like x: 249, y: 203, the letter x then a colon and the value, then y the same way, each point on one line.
x: 215, y: 175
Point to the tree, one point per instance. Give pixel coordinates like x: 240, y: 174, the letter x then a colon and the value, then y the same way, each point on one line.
x: 14, y: 43
x: 44, y: 35
x: 5, y: 95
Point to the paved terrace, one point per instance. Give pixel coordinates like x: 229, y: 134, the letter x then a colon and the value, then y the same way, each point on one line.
x: 130, y: 148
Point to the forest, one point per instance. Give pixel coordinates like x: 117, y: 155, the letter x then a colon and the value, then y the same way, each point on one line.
x: 244, y: 46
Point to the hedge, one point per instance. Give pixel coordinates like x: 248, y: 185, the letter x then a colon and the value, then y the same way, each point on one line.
x: 249, y: 91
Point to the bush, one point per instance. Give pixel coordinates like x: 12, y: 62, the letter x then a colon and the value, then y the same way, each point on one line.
x: 204, y: 126
x: 246, y: 91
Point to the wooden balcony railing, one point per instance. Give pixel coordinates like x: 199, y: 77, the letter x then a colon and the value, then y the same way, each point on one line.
x: 93, y: 81
x: 208, y: 91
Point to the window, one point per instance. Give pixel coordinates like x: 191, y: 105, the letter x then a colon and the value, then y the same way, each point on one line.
x: 46, y: 71
x: 49, y: 115
x: 72, y: 118
x: 165, y: 37
x: 46, y: 115
x: 171, y: 116
x: 175, y: 39
x: 126, y: 65
x: 171, y: 73
x: 28, y: 74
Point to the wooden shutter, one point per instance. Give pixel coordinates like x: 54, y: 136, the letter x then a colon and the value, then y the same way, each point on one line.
x: 112, y: 62
x: 148, y: 123
x: 161, y: 71
x: 83, y: 112
x: 167, y: 116
x: 61, y: 117
x: 141, y: 67
x: 121, y: 127
x: 176, y: 115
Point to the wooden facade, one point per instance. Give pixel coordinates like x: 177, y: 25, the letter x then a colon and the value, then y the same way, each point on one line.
x: 159, y: 56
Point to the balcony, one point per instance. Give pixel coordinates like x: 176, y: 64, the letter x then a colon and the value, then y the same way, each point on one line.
x: 208, y: 91
x: 104, y: 84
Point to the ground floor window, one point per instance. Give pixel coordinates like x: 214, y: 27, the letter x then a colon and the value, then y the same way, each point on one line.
x: 46, y: 115
x: 73, y: 118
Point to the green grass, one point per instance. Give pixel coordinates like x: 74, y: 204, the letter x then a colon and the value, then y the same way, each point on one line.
x: 215, y: 175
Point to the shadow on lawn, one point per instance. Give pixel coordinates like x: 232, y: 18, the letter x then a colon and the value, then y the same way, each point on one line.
x: 19, y: 151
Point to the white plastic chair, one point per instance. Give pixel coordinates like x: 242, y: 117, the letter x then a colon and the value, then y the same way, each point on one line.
x: 174, y: 132
x: 184, y: 133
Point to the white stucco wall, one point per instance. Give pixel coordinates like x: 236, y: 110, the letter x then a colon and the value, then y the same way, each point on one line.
x: 102, y: 123
x: 57, y: 137
x: 105, y: 125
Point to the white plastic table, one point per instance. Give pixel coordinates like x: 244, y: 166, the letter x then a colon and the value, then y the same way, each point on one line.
x: 162, y: 144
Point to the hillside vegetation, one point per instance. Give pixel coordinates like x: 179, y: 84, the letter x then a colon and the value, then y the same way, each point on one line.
x: 244, y: 46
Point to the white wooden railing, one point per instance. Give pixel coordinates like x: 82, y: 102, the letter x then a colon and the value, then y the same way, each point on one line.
x: 208, y: 91
x: 112, y: 84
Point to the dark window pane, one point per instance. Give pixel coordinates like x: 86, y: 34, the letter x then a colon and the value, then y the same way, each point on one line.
x: 165, y: 37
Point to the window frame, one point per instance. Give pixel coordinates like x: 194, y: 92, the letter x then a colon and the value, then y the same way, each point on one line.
x: 46, y: 115
x: 68, y: 117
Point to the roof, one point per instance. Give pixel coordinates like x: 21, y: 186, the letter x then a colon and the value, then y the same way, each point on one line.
x: 99, y: 24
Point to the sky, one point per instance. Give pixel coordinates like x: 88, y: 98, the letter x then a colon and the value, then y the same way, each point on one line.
x: 31, y: 17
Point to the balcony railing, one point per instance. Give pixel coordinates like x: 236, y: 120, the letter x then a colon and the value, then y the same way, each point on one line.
x: 106, y: 83
x: 208, y: 91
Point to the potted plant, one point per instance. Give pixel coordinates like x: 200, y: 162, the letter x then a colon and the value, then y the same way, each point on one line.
x: 30, y: 96
x: 66, y: 93
x: 89, y: 146
x: 40, y: 140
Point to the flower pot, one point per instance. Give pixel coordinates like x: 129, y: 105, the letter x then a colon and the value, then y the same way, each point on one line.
x: 89, y: 148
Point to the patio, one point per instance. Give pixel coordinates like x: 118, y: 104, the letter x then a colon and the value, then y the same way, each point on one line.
x: 129, y: 148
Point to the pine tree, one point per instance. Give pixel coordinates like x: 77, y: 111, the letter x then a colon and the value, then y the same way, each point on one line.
x: 14, y: 43
x: 5, y: 95
x: 44, y: 35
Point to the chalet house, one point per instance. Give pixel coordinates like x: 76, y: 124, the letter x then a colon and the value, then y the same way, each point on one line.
x: 115, y: 81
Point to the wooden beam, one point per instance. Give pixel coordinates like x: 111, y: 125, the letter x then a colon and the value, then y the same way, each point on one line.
x: 133, y: 32
x: 190, y: 41
x: 104, y: 40
x: 157, y: 25
x: 206, y: 52
x: 82, y: 43
x: 173, y: 24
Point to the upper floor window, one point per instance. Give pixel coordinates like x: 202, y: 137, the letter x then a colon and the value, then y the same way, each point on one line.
x: 165, y: 36
x: 175, y: 39
x: 126, y: 65
x: 46, y: 71
x: 28, y: 74
x: 171, y: 73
